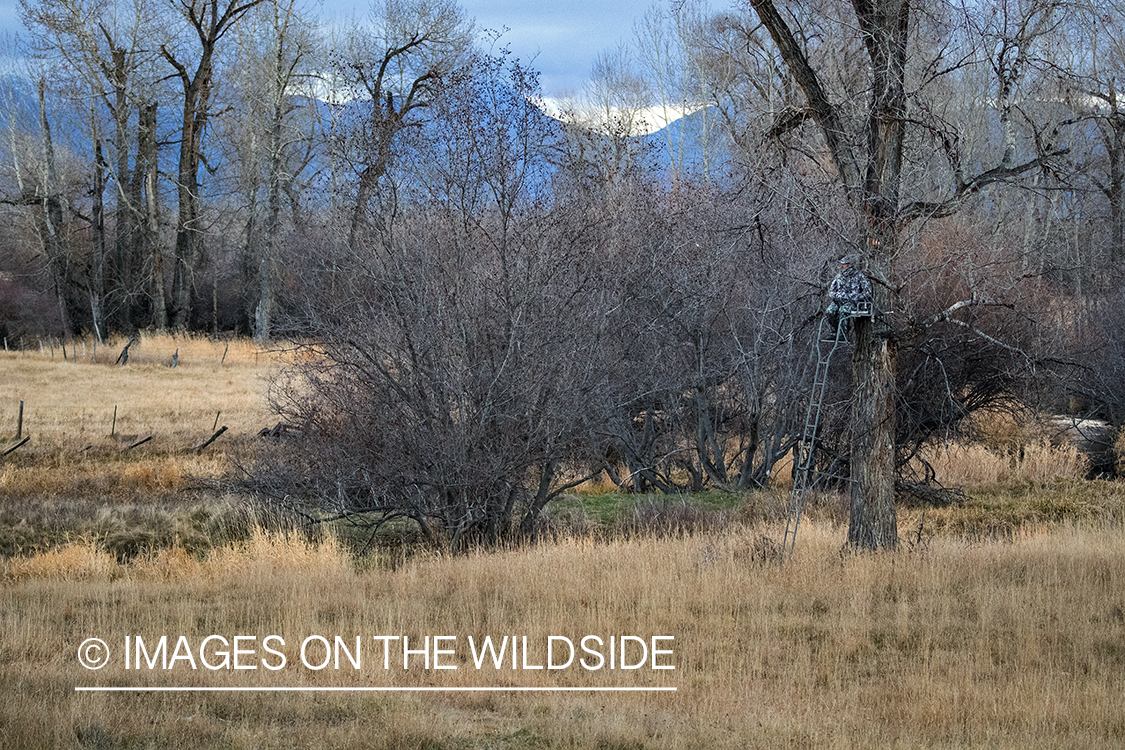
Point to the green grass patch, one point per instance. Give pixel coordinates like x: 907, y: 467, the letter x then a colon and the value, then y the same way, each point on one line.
x: 611, y: 506
x: 1000, y: 511
x: 199, y: 521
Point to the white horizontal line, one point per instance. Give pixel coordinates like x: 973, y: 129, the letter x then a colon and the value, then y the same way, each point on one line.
x: 547, y: 689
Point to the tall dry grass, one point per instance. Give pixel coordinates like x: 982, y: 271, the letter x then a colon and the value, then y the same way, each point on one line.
x: 958, y: 641
x: 968, y: 464
x: 1012, y: 645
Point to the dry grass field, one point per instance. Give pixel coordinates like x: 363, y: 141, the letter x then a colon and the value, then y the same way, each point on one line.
x: 1001, y: 623
x: 82, y: 415
x: 1018, y: 644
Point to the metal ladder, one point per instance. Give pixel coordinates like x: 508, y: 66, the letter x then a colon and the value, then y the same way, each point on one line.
x: 803, y: 460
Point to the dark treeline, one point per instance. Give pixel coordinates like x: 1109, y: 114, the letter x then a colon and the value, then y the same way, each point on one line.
x: 497, y: 303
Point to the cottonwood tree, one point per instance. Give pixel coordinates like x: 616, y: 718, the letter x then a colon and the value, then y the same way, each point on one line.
x: 49, y: 185
x: 384, y: 75
x: 275, y: 139
x: 866, y: 147
x: 60, y: 32
x: 49, y: 198
x: 25, y: 266
x: 105, y: 54
x: 192, y: 54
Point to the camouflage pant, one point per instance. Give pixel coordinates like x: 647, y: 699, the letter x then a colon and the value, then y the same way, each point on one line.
x: 840, y: 310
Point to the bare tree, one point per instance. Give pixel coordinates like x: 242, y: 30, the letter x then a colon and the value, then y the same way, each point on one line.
x: 49, y: 197
x: 1089, y: 78
x: 50, y: 186
x: 383, y: 77
x: 675, y: 53
x: 102, y: 50
x: 194, y: 63
x: 867, y: 155
x: 275, y: 140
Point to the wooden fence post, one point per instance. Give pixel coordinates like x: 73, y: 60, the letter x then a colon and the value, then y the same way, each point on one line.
x: 17, y: 445
x: 213, y: 438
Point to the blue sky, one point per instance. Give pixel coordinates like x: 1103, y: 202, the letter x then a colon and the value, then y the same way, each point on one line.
x: 566, y: 34
x: 563, y: 36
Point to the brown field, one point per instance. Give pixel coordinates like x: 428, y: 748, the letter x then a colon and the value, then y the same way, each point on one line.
x: 78, y: 451
x: 1018, y: 644
x: 1001, y: 623
x: 69, y: 402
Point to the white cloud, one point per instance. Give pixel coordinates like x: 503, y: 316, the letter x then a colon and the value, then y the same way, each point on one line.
x: 649, y: 120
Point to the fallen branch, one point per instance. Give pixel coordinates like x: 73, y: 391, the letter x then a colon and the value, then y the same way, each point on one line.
x: 142, y: 441
x: 212, y: 439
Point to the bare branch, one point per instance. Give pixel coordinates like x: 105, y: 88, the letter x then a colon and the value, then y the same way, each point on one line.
x: 822, y: 109
x: 964, y: 190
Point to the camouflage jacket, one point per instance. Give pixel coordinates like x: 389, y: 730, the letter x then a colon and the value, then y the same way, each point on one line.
x: 850, y: 285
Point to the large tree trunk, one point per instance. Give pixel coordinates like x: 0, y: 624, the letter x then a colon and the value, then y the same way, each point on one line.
x: 267, y: 264
x: 875, y: 197
x: 51, y: 215
x: 148, y: 241
x: 125, y: 230
x: 97, y: 248
x: 210, y: 21
x: 873, y: 523
x: 132, y: 244
x: 188, y: 230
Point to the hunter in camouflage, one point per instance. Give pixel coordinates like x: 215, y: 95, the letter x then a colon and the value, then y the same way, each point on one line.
x: 847, y: 291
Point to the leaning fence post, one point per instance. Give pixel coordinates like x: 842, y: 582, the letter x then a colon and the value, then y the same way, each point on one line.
x: 19, y: 424
x: 199, y: 448
x: 17, y: 445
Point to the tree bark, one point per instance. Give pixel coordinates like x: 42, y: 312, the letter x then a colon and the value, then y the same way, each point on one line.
x: 51, y: 217
x: 872, y: 523
x: 126, y: 226
x: 1114, y: 138
x: 98, y: 244
x: 188, y: 231
x: 148, y: 242
x: 267, y: 264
